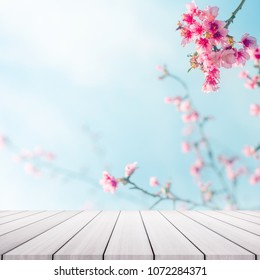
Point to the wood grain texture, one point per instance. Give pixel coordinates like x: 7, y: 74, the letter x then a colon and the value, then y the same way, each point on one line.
x: 237, y: 222
x: 46, y: 244
x: 210, y: 243
x: 91, y: 241
x: 129, y: 239
x: 167, y: 242
x: 246, y: 240
x: 129, y: 235
x: 15, y: 216
x: 250, y: 213
x: 7, y: 213
x: 255, y: 220
x: 15, y: 238
x: 14, y: 225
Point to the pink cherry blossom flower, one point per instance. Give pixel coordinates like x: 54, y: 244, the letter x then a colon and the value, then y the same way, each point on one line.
x: 185, y: 106
x: 243, y: 74
x: 191, y: 117
x: 173, y: 100
x: 204, y: 186
x: 248, y: 41
x: 250, y: 152
x: 211, y: 13
x: 108, y: 182
x: 241, y: 57
x: 255, y: 178
x: 255, y: 109
x: 185, y: 147
x: 252, y: 83
x: 255, y: 54
x: 154, y: 181
x: 192, y: 8
x: 197, y: 167
x: 130, y: 169
x: 228, y: 58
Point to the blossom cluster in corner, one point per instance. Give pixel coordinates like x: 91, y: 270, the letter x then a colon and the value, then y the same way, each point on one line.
x: 214, y: 46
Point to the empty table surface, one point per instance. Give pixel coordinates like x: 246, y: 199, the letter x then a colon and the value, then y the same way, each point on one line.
x: 129, y: 235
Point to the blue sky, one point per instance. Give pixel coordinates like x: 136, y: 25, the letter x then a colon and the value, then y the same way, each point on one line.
x: 64, y: 64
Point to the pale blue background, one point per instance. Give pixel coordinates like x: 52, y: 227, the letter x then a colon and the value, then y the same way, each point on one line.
x: 65, y: 63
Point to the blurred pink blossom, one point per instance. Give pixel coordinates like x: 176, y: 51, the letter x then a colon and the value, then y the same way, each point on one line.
x: 108, y: 182
x: 130, y: 169
x: 154, y: 181
x: 255, y: 109
x: 248, y: 42
x: 185, y: 147
x: 250, y: 152
x: 255, y: 178
x: 31, y: 169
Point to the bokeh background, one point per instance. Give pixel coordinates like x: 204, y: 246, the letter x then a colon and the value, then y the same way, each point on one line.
x: 71, y: 67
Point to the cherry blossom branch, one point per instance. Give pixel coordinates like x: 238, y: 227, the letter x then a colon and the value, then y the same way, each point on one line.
x: 232, y: 17
x: 170, y: 196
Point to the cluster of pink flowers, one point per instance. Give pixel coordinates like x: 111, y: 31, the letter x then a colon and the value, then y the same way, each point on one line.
x: 197, y: 167
x: 190, y: 115
x: 206, y: 192
x: 165, y: 190
x: 37, y: 153
x: 252, y: 82
x: 255, y: 178
x: 231, y: 171
x: 255, y: 110
x: 215, y: 48
x: 110, y: 183
x: 250, y: 152
x: 31, y: 158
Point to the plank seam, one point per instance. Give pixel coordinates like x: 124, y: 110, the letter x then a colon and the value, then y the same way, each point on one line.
x: 40, y: 233
x: 227, y: 214
x: 204, y: 255
x: 255, y: 255
x: 247, y: 214
x: 227, y: 223
x: 147, y: 235
x: 52, y: 257
x: 20, y: 218
x: 13, y: 213
x: 30, y: 223
x: 103, y: 255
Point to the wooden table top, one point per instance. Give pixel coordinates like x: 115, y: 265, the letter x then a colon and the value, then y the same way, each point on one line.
x: 128, y: 235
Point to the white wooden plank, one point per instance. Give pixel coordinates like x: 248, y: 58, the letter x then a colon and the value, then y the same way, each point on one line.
x: 45, y: 245
x: 15, y: 238
x: 250, y: 213
x: 129, y: 239
x: 248, y: 218
x: 15, y: 216
x: 248, y: 226
x: 91, y: 241
x: 14, y: 225
x: 246, y: 240
x: 167, y: 242
x: 6, y: 213
x: 214, y: 246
